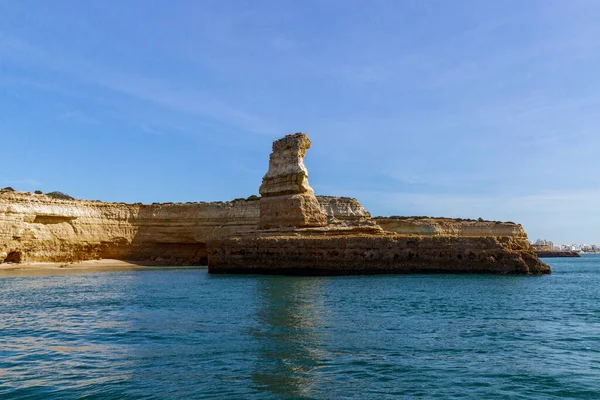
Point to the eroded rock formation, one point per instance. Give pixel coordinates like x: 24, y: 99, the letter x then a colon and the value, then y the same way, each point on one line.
x: 346, y: 212
x: 317, y: 247
x: 450, y: 227
x: 287, y: 231
x: 40, y: 228
x: 372, y: 254
x: 287, y: 198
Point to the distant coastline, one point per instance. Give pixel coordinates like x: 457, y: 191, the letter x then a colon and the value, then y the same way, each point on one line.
x: 557, y: 253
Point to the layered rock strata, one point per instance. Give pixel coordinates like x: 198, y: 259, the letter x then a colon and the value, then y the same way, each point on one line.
x: 289, y: 244
x: 287, y: 231
x: 287, y: 200
x: 450, y: 227
x: 345, y: 212
x: 37, y: 228
x: 372, y: 254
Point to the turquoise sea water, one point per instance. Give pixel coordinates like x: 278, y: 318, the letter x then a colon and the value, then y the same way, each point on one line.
x: 156, y: 333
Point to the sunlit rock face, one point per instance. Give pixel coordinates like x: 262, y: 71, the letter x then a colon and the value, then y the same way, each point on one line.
x: 287, y: 198
x: 39, y: 228
x: 450, y: 227
x: 287, y: 231
x: 300, y: 235
x: 347, y: 212
x: 287, y: 173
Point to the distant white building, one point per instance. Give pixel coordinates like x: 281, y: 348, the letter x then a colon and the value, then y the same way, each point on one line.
x: 543, y: 244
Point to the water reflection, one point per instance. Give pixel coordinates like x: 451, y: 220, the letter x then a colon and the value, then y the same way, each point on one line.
x: 290, y: 318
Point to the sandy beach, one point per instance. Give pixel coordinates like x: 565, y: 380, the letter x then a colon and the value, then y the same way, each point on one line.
x: 68, y: 265
x: 45, y: 268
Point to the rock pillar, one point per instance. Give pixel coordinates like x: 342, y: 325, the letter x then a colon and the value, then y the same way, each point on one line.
x: 287, y: 200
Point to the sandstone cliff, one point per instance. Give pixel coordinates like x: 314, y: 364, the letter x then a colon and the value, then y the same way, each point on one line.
x: 295, y: 239
x: 345, y: 211
x: 39, y: 228
x: 450, y: 227
x: 287, y: 198
x: 288, y: 230
x: 372, y: 254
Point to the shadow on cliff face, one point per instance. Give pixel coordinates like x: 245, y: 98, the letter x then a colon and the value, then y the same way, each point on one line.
x: 145, y: 249
x: 168, y: 253
x: 177, y: 234
x: 288, y: 317
x: 13, y: 257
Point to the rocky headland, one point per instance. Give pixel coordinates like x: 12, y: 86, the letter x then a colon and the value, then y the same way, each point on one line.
x: 424, y: 226
x: 372, y: 246
x: 288, y: 230
x: 556, y: 253
x: 39, y: 228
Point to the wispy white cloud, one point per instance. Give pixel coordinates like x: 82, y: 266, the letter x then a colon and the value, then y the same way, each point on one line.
x: 150, y: 129
x: 586, y: 200
x: 476, y: 109
x: 77, y: 117
x: 440, y: 179
x: 187, y: 100
x: 191, y: 101
x: 11, y: 43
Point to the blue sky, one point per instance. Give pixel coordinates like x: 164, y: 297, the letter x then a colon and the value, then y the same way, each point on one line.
x: 440, y: 108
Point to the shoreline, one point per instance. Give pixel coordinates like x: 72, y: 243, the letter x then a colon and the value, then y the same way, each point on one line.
x: 557, y: 253
x: 98, y: 265
x: 28, y: 266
